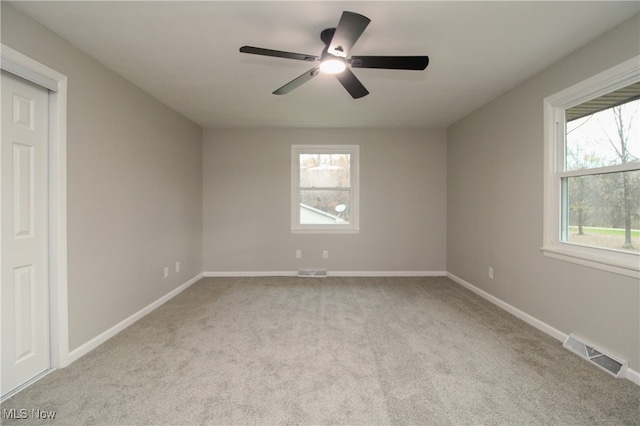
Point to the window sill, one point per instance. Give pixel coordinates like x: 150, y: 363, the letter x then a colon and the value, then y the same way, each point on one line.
x: 629, y: 266
x: 332, y: 230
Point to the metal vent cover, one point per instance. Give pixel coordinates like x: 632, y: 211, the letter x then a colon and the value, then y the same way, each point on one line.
x: 612, y: 365
x: 317, y: 273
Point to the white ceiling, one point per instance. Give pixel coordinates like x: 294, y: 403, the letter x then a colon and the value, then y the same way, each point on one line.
x: 186, y: 54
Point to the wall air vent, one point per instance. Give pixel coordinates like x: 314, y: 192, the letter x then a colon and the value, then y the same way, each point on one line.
x: 317, y: 273
x: 612, y: 365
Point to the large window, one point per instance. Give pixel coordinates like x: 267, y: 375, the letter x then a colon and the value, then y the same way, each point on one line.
x: 324, y: 188
x: 592, y: 179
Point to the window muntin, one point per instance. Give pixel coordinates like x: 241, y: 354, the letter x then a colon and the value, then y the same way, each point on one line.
x: 585, y: 176
x: 324, y: 190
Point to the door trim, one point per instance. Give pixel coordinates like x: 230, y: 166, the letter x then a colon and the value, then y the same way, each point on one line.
x: 31, y: 70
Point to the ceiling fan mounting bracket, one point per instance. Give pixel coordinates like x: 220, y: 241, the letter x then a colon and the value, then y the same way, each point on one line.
x: 326, y: 35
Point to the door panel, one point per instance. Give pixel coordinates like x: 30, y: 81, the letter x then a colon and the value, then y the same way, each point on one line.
x: 24, y: 234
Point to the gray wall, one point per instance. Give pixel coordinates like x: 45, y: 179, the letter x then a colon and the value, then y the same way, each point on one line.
x: 247, y: 195
x: 495, y: 198
x: 134, y: 186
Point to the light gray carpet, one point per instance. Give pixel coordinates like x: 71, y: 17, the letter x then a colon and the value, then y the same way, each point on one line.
x: 331, y: 351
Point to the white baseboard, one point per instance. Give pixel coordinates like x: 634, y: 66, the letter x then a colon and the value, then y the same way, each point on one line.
x: 103, y: 337
x: 386, y: 273
x: 329, y: 273
x: 632, y: 375
x: 250, y: 274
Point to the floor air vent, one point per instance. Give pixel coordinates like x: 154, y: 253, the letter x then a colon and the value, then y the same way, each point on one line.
x: 318, y: 273
x: 608, y: 363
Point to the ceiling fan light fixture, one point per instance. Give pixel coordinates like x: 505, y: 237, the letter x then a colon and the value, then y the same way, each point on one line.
x: 332, y: 66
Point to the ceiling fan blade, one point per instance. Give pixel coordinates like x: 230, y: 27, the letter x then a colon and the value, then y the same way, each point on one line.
x: 348, y: 31
x: 352, y: 84
x: 278, y: 53
x: 417, y: 63
x: 297, y: 82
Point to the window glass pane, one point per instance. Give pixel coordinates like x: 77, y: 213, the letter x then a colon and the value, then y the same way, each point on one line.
x: 603, y: 210
x: 324, y: 188
x: 324, y: 207
x: 605, y: 138
x: 325, y: 170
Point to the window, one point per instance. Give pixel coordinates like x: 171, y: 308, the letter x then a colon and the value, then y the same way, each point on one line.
x: 592, y: 172
x: 324, y: 188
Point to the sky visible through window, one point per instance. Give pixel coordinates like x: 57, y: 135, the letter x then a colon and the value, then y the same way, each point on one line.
x: 591, y: 139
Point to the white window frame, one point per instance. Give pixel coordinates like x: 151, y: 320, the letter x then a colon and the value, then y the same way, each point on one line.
x: 353, y: 227
x: 619, y: 262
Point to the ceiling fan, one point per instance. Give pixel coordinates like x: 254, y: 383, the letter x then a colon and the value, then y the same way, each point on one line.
x: 333, y: 59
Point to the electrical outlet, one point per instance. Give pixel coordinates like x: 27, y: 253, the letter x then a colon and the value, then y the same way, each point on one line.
x: 298, y: 254
x: 166, y: 272
x: 490, y: 272
x: 325, y: 254
x: 177, y: 266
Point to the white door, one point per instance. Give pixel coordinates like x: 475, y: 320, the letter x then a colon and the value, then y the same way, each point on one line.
x: 24, y: 216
